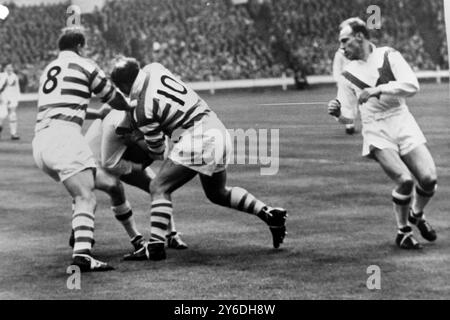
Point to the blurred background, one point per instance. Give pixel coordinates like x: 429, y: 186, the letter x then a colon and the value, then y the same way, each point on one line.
x: 202, y: 40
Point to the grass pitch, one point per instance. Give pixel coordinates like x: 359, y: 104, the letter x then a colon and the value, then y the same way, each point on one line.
x: 340, y: 218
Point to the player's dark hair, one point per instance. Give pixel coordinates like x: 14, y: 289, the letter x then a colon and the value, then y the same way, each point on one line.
x: 71, y: 39
x: 359, y: 27
x: 125, y: 70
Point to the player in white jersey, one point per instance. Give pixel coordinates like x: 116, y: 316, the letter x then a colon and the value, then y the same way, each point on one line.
x: 60, y: 149
x: 167, y: 107
x: 109, y: 140
x: 9, y: 99
x: 378, y: 80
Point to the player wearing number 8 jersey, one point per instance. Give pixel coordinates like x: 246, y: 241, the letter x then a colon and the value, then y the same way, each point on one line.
x: 59, y: 148
x: 165, y: 106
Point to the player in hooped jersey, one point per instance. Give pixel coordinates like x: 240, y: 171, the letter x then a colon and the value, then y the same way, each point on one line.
x: 60, y: 149
x: 378, y: 80
x: 167, y: 107
x: 119, y: 156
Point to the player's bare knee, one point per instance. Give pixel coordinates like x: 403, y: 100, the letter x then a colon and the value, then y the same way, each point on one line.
x: 405, y: 183
x: 428, y: 182
x: 219, y: 197
x: 158, y: 189
x: 86, y: 198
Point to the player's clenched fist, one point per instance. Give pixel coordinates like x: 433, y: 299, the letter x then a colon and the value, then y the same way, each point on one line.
x: 334, y: 108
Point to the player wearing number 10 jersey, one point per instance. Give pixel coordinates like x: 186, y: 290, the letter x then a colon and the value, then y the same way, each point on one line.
x: 165, y: 106
x: 59, y: 148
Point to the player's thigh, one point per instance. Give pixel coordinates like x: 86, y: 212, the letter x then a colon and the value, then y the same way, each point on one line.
x: 392, y: 164
x: 81, y: 184
x: 170, y: 177
x: 112, y: 147
x: 421, y: 164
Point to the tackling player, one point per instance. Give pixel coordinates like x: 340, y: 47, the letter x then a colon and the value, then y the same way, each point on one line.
x: 9, y: 99
x: 166, y: 107
x: 111, y: 141
x: 59, y: 148
x: 378, y: 80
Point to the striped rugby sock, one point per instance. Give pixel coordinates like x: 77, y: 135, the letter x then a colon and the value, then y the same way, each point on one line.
x: 83, y: 226
x: 401, y: 208
x: 160, y: 215
x: 242, y: 200
x: 124, y: 215
x: 421, y: 199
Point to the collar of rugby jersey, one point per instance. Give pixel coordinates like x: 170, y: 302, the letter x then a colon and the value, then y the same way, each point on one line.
x: 67, y: 54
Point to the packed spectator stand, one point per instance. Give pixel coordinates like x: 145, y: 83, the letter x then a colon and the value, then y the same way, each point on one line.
x: 201, y: 39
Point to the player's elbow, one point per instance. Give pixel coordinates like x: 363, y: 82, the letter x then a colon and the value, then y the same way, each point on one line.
x: 412, y: 88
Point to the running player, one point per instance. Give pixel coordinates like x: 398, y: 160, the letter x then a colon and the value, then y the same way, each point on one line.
x: 9, y: 100
x: 378, y: 80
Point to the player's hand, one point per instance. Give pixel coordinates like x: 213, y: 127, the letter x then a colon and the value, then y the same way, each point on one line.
x: 132, y: 137
x: 368, y: 93
x: 334, y: 108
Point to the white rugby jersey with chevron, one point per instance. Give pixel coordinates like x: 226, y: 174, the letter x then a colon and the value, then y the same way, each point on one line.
x: 165, y: 104
x: 9, y: 85
x: 65, y: 89
x: 386, y: 69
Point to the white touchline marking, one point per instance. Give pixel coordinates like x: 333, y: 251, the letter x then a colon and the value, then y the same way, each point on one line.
x: 294, y: 103
x: 329, y: 161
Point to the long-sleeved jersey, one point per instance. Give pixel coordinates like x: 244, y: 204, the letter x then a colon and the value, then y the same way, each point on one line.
x: 66, y: 86
x: 165, y: 105
x: 339, y: 63
x: 386, y: 69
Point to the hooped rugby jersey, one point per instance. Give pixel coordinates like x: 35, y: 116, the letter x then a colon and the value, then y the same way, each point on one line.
x: 66, y: 86
x: 165, y: 104
x: 385, y: 68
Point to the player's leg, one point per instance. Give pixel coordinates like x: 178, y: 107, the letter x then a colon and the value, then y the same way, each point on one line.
x: 141, y: 179
x: 3, y: 114
x: 397, y: 170
x: 350, y: 128
x: 421, y: 164
x: 81, y: 187
x: 170, y: 177
x: 12, y: 107
x: 119, y: 205
x: 240, y: 199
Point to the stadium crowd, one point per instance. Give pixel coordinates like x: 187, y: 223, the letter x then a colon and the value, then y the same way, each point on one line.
x: 200, y: 39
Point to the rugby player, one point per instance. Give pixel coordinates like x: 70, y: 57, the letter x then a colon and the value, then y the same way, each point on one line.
x: 9, y: 100
x: 167, y: 107
x: 112, y: 144
x: 60, y: 149
x: 378, y: 80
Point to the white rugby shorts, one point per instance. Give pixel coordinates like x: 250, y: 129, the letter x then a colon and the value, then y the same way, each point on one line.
x: 399, y: 132
x: 205, y: 147
x: 61, y: 151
